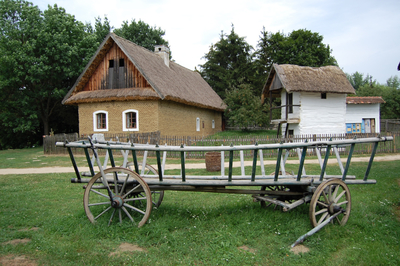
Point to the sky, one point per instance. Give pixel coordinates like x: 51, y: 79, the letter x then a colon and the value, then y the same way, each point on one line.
x: 364, y: 35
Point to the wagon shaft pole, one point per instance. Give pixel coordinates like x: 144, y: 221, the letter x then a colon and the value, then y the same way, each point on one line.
x: 315, y: 229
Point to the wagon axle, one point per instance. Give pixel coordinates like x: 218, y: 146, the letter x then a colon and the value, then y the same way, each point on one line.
x: 117, y: 202
x: 333, y: 208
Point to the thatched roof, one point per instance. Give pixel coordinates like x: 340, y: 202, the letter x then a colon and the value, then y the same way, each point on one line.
x: 293, y: 78
x: 364, y: 100
x: 175, y: 83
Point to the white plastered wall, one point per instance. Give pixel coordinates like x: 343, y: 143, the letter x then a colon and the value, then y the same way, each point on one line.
x: 356, y: 112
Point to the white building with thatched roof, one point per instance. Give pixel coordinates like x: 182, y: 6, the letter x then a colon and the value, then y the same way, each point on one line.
x: 126, y: 87
x: 313, y: 100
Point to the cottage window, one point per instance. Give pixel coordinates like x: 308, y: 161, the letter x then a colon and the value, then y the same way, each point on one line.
x: 111, y: 64
x: 121, y: 62
x: 213, y: 124
x: 197, y: 124
x: 100, y: 121
x: 130, y: 120
x: 323, y: 95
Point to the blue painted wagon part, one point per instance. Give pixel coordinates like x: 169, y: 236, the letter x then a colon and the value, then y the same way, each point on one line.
x: 134, y: 192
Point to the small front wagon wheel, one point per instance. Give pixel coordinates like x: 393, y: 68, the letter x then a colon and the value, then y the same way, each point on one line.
x: 330, y: 197
x: 131, y: 197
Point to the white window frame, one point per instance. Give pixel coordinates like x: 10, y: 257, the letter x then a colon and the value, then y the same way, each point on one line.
x: 198, y: 124
x: 213, y: 124
x: 124, y: 128
x: 95, y: 129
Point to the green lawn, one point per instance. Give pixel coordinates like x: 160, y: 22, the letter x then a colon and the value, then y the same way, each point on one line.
x: 193, y: 228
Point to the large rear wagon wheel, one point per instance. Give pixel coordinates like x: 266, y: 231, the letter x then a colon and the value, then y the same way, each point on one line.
x: 331, y: 197
x: 131, y: 197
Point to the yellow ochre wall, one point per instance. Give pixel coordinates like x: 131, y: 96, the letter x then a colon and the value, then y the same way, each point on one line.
x: 170, y: 118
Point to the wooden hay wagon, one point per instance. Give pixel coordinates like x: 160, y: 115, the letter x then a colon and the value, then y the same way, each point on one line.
x: 132, y: 189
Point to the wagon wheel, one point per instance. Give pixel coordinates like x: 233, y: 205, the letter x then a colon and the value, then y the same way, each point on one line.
x: 131, y: 197
x: 157, y: 196
x: 273, y: 188
x: 331, y: 197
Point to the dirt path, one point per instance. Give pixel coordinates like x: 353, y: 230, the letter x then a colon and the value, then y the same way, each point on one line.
x: 48, y: 170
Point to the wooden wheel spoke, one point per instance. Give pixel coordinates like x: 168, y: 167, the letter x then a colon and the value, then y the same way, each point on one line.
x: 99, y: 203
x: 325, y: 197
x: 323, y: 204
x: 335, y: 193
x: 340, y: 196
x: 135, y: 199
x: 127, y: 213
x: 124, y: 185
x: 134, y: 208
x: 321, y: 211
x: 99, y: 193
x: 103, y: 212
x: 112, y: 216
x: 341, y: 203
x: 131, y: 191
x: 116, y: 183
x: 323, y: 217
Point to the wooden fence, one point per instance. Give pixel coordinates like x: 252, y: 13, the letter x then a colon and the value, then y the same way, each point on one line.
x: 390, y: 125
x: 156, y: 138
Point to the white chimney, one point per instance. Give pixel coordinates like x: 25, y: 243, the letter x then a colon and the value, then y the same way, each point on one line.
x: 163, y: 52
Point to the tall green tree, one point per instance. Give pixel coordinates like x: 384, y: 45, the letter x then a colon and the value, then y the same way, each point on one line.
x: 393, y: 82
x: 358, y: 80
x: 142, y: 34
x: 244, y: 109
x: 101, y: 28
x: 300, y: 47
x: 228, y: 63
x: 42, y: 55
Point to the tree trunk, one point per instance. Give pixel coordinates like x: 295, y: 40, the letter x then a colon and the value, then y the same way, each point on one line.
x: 45, y: 126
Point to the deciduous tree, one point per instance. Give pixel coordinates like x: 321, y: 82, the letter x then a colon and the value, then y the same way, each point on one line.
x: 300, y: 47
x: 42, y: 55
x: 244, y: 109
x: 142, y: 34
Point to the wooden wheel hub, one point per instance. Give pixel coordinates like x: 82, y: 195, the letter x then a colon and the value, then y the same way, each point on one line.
x: 333, y: 208
x: 117, y: 202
